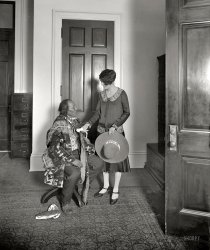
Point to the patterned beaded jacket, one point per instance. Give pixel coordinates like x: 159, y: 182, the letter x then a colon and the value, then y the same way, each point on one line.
x: 61, y: 140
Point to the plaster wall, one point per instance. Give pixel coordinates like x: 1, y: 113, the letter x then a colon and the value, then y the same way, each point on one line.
x: 142, y: 39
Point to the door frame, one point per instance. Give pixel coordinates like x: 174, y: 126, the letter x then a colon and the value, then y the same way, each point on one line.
x: 56, y: 72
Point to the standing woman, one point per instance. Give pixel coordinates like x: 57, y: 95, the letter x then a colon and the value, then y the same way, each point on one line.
x: 111, y: 112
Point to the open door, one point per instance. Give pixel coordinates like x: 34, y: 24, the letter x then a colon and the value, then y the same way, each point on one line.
x: 187, y: 117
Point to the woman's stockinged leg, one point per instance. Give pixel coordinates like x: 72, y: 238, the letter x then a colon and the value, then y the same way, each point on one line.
x: 116, y: 185
x: 106, y: 183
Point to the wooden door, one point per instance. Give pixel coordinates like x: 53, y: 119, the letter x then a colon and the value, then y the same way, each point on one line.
x: 87, y: 49
x: 6, y: 84
x: 188, y: 116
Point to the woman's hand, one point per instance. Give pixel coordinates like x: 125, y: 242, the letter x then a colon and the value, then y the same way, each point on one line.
x: 111, y: 130
x: 84, y: 128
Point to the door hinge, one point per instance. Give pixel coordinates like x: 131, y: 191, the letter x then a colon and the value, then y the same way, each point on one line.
x: 61, y: 32
x: 60, y: 90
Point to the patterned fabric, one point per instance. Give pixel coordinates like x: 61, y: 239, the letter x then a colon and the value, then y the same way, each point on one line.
x: 62, y: 141
x: 67, y: 126
x: 54, y: 174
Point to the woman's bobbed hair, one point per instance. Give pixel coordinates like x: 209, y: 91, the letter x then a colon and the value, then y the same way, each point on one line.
x: 107, y: 76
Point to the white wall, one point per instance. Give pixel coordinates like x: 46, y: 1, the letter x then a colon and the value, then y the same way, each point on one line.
x: 142, y: 40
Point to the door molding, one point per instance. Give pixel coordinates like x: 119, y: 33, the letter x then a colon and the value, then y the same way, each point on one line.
x: 56, y: 72
x: 21, y: 40
x: 20, y: 8
x: 19, y: 43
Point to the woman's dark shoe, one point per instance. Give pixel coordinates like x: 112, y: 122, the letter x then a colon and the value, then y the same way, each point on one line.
x: 114, y: 201
x: 49, y: 194
x: 98, y: 194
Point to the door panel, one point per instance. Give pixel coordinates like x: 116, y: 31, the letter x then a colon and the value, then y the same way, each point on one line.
x: 77, y: 80
x: 196, y: 183
x: 87, y: 49
x: 99, y: 38
x: 196, y: 75
x: 76, y: 36
x: 188, y: 108
x: 6, y: 84
x: 99, y: 63
x: 194, y: 144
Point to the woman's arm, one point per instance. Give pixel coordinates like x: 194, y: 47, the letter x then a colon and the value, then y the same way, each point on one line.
x: 96, y: 115
x: 126, y: 110
x: 94, y: 118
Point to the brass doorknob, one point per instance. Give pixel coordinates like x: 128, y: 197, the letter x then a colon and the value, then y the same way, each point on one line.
x: 173, y: 137
x: 172, y: 144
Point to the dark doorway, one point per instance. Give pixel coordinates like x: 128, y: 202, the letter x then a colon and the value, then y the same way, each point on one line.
x: 7, y: 32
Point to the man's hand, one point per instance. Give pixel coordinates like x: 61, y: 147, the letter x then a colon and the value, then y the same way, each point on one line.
x: 77, y: 163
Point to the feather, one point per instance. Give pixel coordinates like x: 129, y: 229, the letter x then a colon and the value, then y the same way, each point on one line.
x: 52, y: 212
